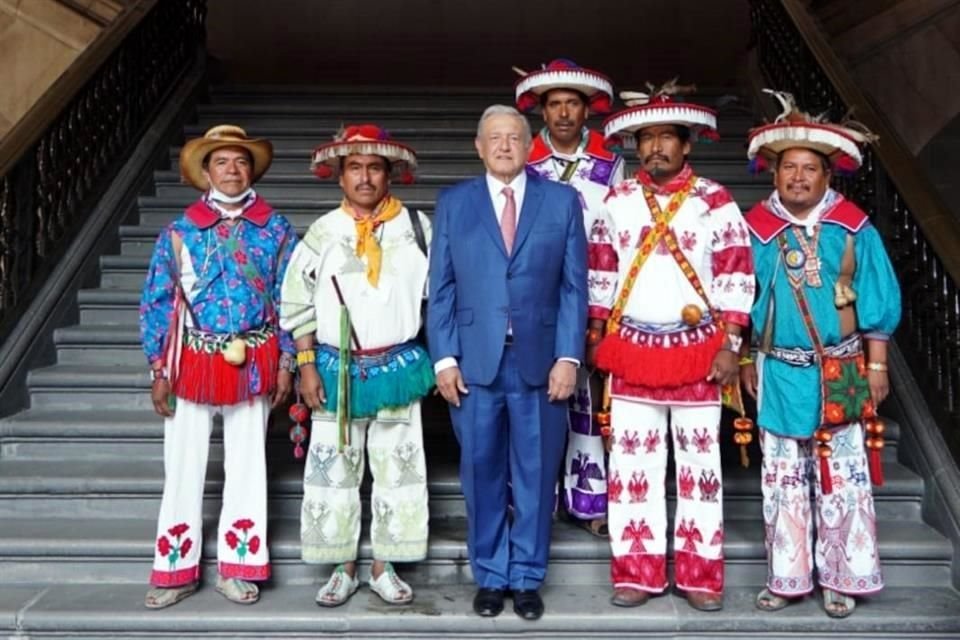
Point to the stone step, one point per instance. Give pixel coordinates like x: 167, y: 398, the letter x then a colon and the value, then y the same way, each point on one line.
x: 311, y: 117
x: 111, y: 306
x: 730, y: 174
x: 115, y: 610
x: 63, y: 550
x: 292, y: 158
x: 303, y: 140
x: 111, y: 478
x: 53, y: 434
x: 747, y: 191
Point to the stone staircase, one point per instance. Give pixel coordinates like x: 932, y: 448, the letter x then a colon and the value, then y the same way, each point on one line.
x: 81, y: 469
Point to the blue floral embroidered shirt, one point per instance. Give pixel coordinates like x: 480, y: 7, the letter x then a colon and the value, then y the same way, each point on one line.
x: 225, y: 294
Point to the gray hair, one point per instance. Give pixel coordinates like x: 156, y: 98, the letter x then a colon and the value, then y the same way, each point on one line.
x: 505, y: 110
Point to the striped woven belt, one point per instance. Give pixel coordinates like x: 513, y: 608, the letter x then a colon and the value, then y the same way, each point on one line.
x: 207, y: 342
x: 665, y: 329
x: 797, y: 357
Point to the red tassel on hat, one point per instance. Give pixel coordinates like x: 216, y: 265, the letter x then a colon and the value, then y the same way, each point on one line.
x: 600, y: 103
x: 527, y: 101
x: 709, y: 135
x: 323, y: 171
x: 406, y: 177
x: 845, y: 165
x: 758, y: 164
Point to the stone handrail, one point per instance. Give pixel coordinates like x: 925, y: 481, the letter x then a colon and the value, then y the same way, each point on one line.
x: 63, y: 153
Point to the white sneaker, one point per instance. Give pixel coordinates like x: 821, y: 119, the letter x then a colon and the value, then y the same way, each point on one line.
x: 338, y: 588
x: 390, y: 587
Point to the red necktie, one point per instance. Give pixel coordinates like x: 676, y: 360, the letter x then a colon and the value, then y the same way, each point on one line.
x: 508, y: 219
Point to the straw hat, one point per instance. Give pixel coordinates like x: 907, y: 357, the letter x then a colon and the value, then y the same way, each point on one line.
x: 218, y: 137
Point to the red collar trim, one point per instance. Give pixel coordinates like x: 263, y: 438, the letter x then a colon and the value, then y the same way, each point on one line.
x: 766, y: 225
x: 204, y: 217
x: 595, y: 148
x: 671, y: 187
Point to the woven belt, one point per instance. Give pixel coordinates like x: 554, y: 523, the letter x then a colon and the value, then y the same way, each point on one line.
x: 797, y: 357
x: 208, y: 342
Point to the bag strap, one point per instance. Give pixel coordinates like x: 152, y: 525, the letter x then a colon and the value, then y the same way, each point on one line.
x: 177, y: 243
x: 661, y: 225
x: 802, y: 305
x: 670, y: 239
x: 418, y: 230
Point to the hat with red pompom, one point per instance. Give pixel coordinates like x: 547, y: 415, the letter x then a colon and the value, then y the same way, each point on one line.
x: 840, y: 143
x: 660, y: 106
x: 563, y: 74
x: 364, y: 139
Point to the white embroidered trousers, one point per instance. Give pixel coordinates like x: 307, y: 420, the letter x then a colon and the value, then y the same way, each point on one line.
x: 242, y: 531
x: 330, y: 515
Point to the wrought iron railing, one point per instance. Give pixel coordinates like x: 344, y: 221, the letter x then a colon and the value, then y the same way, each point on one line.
x: 66, y: 150
x: 921, y: 234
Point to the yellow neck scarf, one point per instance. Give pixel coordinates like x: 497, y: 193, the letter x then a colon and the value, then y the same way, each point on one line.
x: 367, y: 245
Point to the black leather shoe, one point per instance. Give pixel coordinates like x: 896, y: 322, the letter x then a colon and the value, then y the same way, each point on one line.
x: 488, y: 602
x: 527, y: 604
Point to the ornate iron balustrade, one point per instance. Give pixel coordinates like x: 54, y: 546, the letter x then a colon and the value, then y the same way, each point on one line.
x: 65, y: 152
x: 922, y: 237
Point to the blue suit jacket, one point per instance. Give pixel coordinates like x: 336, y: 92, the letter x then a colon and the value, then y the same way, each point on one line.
x: 474, y: 284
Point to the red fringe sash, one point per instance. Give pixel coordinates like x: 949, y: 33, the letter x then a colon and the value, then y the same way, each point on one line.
x: 206, y: 378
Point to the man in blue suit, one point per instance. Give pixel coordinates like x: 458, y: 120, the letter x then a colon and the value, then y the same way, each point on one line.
x: 506, y: 323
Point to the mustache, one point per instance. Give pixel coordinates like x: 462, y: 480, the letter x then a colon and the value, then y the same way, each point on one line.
x: 656, y: 156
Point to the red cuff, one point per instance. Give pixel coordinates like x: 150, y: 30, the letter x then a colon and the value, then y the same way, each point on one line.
x: 598, y: 313
x: 736, y: 317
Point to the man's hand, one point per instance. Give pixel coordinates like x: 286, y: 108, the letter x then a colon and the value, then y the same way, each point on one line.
x: 283, y: 390
x: 563, y: 378
x: 160, y: 395
x: 748, y: 379
x: 725, y: 368
x: 451, y: 385
x: 879, y: 386
x: 311, y: 387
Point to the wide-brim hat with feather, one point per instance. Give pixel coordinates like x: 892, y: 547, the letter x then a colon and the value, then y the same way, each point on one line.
x: 364, y: 139
x: 195, y: 151
x: 793, y: 128
x: 563, y: 74
x: 660, y: 106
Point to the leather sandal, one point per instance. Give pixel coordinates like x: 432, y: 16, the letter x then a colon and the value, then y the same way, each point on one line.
x: 769, y: 601
x: 237, y: 590
x: 597, y: 527
x: 163, y: 597
x: 624, y: 597
x: 390, y: 587
x: 705, y: 601
x: 838, y: 605
x: 338, y: 588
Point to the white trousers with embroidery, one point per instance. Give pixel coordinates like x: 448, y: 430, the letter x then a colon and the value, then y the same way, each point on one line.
x: 845, y: 553
x: 242, y: 532
x: 637, y: 508
x: 330, y: 516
